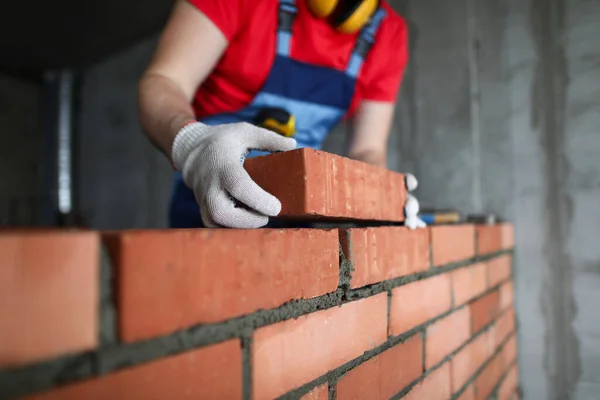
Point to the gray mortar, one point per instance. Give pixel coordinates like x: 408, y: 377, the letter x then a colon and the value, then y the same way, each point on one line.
x: 346, y: 266
x: 389, y: 309
x: 108, y: 325
x: 117, y: 357
x: 332, y: 393
x: 247, y: 367
x: 113, y: 356
x: 18, y: 381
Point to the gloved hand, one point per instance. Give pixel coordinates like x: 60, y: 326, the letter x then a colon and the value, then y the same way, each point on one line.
x: 210, y: 159
x: 411, y: 208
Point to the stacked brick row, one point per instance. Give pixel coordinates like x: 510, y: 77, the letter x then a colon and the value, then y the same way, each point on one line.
x: 372, y: 312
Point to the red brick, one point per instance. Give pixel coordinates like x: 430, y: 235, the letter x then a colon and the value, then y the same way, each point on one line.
x: 468, y: 360
x: 509, y: 385
x: 386, y: 374
x: 468, y: 394
x: 484, y: 310
x: 312, y: 183
x: 172, y: 279
x: 509, y: 352
x: 48, y: 294
x: 378, y: 254
x: 499, y: 269
x: 291, y: 353
x: 502, y: 327
x: 445, y: 336
x: 468, y: 283
x: 319, y: 393
x: 492, y: 238
x: 418, y: 302
x: 436, y: 386
x: 488, y: 378
x: 213, y: 372
x: 507, y: 295
x: 452, y: 243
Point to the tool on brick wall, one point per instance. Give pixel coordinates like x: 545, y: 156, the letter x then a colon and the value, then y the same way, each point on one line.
x: 438, y: 216
x: 277, y: 120
x: 432, y: 217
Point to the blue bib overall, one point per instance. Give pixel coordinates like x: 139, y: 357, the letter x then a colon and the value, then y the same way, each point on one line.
x: 317, y: 96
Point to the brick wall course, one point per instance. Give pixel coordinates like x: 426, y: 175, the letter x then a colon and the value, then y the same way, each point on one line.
x: 359, y: 311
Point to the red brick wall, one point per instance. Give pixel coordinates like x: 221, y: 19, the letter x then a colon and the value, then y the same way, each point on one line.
x: 373, y: 312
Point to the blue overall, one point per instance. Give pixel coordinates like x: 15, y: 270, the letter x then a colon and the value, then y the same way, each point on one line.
x: 317, y: 96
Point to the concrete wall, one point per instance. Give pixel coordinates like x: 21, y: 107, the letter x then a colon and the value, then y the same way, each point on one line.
x: 503, y: 116
x: 125, y: 182
x: 577, y: 181
x: 498, y: 113
x: 21, y: 183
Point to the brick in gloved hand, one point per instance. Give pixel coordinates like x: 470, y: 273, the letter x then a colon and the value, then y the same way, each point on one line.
x: 209, y: 159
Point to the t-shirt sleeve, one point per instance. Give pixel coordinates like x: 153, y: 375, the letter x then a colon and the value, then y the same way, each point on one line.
x: 225, y: 14
x: 385, y: 64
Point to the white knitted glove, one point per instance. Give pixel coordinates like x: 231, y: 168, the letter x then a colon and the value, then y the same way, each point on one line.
x: 411, y: 209
x: 210, y: 159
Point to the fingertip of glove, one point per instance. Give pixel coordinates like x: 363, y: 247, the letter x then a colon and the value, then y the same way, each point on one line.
x: 274, y: 209
x: 411, y: 182
x: 288, y: 144
x: 272, y: 206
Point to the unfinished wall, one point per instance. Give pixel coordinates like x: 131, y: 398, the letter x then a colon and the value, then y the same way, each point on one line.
x: 372, y: 312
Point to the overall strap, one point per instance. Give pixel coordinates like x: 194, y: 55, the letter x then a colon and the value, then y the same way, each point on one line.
x: 287, y: 13
x: 364, y: 43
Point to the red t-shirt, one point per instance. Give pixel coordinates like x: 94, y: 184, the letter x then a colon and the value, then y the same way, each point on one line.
x: 250, y: 27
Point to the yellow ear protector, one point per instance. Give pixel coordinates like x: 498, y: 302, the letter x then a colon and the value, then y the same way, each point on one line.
x: 347, y: 16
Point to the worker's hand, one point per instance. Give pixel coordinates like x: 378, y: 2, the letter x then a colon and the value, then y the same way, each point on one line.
x: 411, y: 209
x: 210, y: 159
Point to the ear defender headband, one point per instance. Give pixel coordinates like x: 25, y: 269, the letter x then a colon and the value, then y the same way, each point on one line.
x: 347, y: 16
